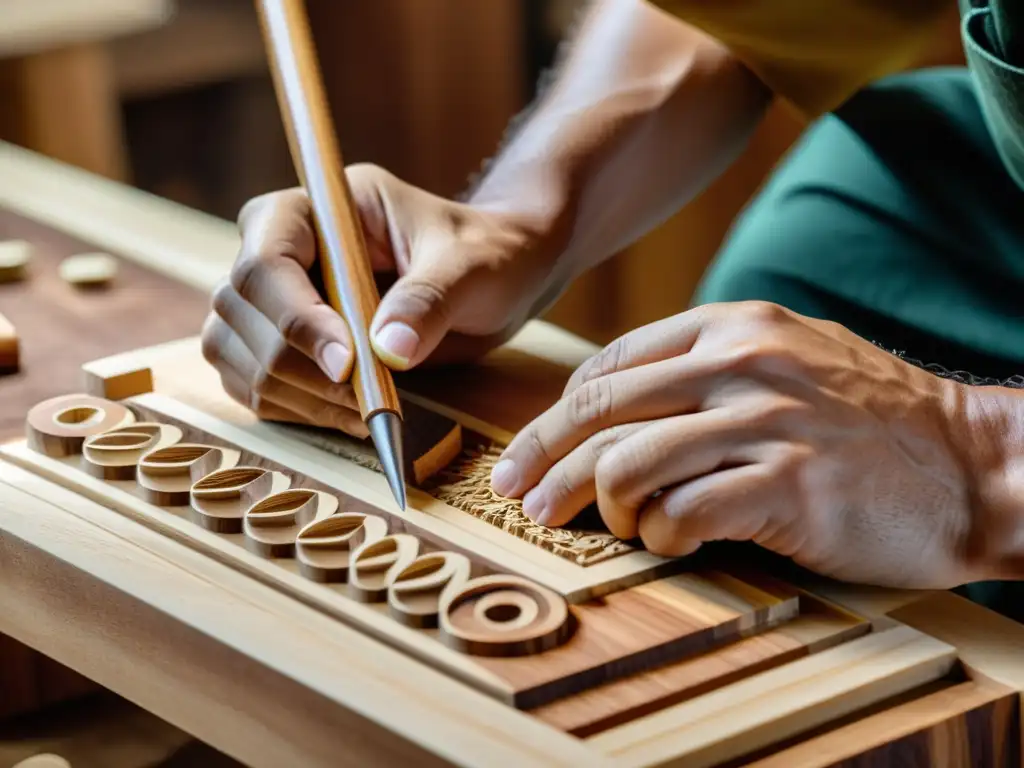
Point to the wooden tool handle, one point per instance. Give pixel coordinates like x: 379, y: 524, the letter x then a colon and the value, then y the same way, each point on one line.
x: 348, y: 276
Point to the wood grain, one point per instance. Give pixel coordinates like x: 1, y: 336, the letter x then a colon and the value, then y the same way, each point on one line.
x: 624, y: 632
x: 781, y: 703
x: 240, y: 666
x: 969, y: 724
x: 818, y: 627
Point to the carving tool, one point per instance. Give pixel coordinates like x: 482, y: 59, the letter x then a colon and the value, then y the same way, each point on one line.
x: 344, y: 259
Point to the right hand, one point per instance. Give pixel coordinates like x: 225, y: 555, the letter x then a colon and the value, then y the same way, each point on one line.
x: 467, y: 279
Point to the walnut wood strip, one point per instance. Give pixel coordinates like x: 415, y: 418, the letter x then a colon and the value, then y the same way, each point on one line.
x: 776, y: 705
x: 818, y: 627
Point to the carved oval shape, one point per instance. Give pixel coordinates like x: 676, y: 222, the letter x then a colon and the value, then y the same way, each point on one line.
x: 115, y: 455
x: 227, y: 483
x: 166, y: 475
x: 59, y: 426
x: 272, y: 524
x: 376, y: 565
x: 416, y: 594
x: 174, y: 460
x: 326, y: 547
x: 504, y: 616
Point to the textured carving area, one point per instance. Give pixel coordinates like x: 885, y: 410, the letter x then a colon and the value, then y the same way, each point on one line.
x: 466, y: 484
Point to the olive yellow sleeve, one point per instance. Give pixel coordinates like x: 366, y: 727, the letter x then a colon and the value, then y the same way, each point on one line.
x: 816, y: 53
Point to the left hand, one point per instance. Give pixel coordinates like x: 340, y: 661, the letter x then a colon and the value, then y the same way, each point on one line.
x: 750, y: 422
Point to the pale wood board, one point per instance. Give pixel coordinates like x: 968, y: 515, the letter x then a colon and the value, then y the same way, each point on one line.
x: 780, y: 703
x: 273, y: 684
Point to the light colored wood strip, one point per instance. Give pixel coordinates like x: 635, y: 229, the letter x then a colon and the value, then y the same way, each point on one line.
x: 781, y: 703
x: 241, y: 666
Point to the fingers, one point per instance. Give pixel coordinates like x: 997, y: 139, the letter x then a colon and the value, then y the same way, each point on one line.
x: 271, y: 274
x: 273, y: 354
x: 734, y: 504
x: 570, y: 487
x: 660, y: 340
x: 248, y: 383
x: 666, y: 388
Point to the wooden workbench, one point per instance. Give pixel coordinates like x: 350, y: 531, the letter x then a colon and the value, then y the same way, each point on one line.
x: 262, y: 668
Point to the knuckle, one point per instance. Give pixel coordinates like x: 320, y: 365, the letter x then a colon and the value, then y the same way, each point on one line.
x: 761, y: 312
x: 605, y: 362
x: 422, y: 296
x: 293, y: 326
x: 223, y: 298
x: 536, y: 445
x: 614, y: 473
x: 246, y: 273
x: 558, y: 487
x: 261, y: 382
x: 591, y: 402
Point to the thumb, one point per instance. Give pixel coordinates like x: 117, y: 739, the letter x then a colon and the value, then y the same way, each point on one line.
x: 415, y: 315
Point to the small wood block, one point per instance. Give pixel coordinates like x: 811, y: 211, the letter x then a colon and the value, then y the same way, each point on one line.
x: 115, y: 378
x: 44, y: 761
x: 15, y: 256
x: 10, y: 354
x: 89, y: 270
x: 430, y: 443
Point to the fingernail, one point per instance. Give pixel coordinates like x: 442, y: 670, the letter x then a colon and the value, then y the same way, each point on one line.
x: 396, y: 344
x: 334, y: 361
x: 533, y: 505
x: 504, y: 477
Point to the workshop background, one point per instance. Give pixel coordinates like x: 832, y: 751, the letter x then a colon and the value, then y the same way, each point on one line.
x: 174, y: 96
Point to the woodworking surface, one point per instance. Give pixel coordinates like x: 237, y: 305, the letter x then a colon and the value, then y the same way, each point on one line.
x: 630, y: 630
x: 61, y: 327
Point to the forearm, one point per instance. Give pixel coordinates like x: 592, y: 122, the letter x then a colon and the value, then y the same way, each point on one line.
x: 643, y: 114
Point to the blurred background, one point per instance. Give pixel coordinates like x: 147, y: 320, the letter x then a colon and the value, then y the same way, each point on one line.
x: 174, y: 97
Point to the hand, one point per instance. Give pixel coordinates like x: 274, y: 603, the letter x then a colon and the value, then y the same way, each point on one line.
x: 749, y: 422
x: 467, y: 280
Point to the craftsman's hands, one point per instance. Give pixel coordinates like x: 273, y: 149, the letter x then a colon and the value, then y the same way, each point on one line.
x: 467, y: 280
x: 748, y: 422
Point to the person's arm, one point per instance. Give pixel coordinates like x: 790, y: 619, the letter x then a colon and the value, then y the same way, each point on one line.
x: 644, y: 112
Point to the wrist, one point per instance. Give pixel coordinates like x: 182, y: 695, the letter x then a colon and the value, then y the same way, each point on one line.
x: 987, y: 428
